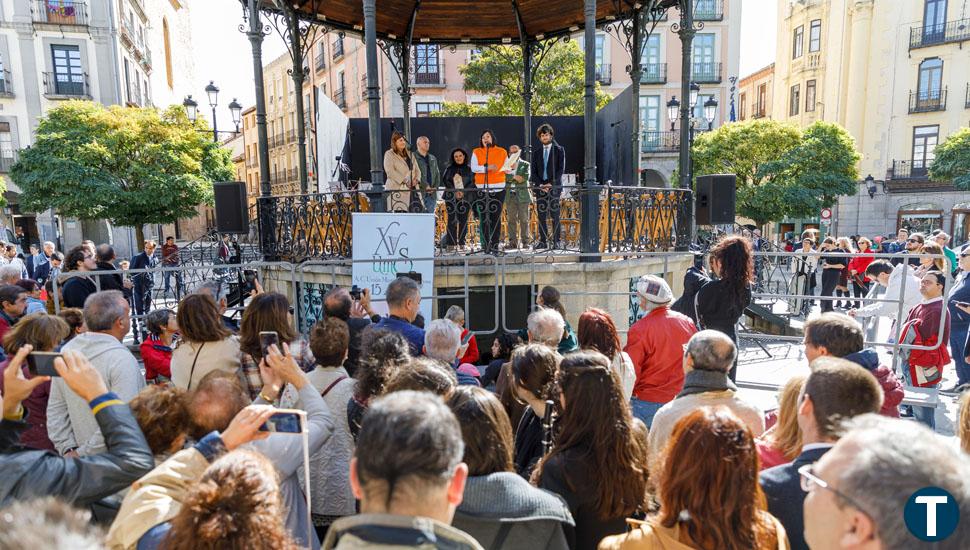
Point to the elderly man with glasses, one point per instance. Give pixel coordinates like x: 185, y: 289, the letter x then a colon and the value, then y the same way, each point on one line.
x: 858, y: 491
x: 836, y: 389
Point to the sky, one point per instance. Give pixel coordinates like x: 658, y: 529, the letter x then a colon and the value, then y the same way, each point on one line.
x: 223, y: 54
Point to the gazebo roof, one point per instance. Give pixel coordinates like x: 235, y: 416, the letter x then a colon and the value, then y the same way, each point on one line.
x: 467, y: 21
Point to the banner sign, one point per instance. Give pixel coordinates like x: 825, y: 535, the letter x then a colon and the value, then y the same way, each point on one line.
x: 392, y: 239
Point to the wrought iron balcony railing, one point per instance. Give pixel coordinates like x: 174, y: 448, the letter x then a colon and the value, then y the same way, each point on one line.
x: 7, y: 159
x: 708, y: 10
x: 908, y: 170
x: 340, y: 98
x: 660, y: 142
x: 653, y: 73
x: 927, y: 101
x: 429, y: 75
x: 60, y: 85
x: 60, y: 12
x: 604, y: 74
x: 709, y: 73
x: 338, y: 48
x: 931, y: 35
x: 758, y: 110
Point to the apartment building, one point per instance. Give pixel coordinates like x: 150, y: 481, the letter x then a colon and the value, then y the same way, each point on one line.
x: 716, y: 51
x: 116, y: 52
x: 897, y: 77
x: 755, y: 94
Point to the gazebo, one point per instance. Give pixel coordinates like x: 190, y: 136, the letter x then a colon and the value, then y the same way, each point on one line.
x: 534, y: 25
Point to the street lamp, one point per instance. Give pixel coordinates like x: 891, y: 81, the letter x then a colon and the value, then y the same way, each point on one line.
x: 710, y: 110
x: 673, y: 108
x: 213, y: 92
x: 236, y: 109
x: 191, y: 108
x: 710, y: 115
x: 871, y: 186
x: 694, y: 90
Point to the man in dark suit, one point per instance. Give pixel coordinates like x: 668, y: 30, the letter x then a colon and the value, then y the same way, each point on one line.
x: 548, y: 165
x: 29, y: 260
x: 835, y: 390
x: 144, y: 282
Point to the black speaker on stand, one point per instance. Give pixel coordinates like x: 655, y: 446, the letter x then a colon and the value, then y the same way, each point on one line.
x: 715, y: 199
x: 232, y: 208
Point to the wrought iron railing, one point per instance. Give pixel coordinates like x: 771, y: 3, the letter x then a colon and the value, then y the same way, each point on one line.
x: 321, y: 63
x: 708, y: 10
x: 7, y: 159
x: 660, y: 142
x: 318, y: 225
x: 758, y: 110
x: 66, y: 85
x: 340, y: 98
x: 709, y: 72
x: 966, y: 104
x: 927, y: 101
x: 653, y: 73
x: 931, y: 35
x: 291, y: 136
x: 6, y: 84
x: 338, y: 48
x: 60, y: 12
x: 906, y: 170
x: 604, y: 74
x: 429, y: 75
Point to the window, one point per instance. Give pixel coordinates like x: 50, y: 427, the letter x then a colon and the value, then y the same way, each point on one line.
x: 761, y: 106
x: 4, y: 85
x: 924, y: 146
x: 128, y: 80
x: 796, y: 45
x: 703, y: 48
x: 699, y: 107
x: 600, y: 49
x: 68, y: 73
x: 794, y: 100
x: 6, y: 143
x: 934, y: 21
x: 930, y: 79
x: 742, y: 105
x: 650, y: 113
x: 426, y: 66
x: 169, y: 74
x: 809, y: 96
x: 425, y: 109
x: 815, y: 36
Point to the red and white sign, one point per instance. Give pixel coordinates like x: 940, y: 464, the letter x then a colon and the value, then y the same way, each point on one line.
x: 826, y: 214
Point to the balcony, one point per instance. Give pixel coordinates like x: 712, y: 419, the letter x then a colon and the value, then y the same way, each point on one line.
x: 60, y: 12
x: 931, y: 35
x: 64, y: 86
x: 653, y: 73
x: 146, y: 60
x: 321, y: 63
x: 134, y: 96
x: 429, y: 75
x: 758, y: 110
x: 340, y: 98
x: 708, y: 10
x: 927, y: 101
x: 660, y: 142
x: 706, y: 73
x: 7, y: 159
x: 604, y: 74
x: 291, y: 136
x: 6, y: 84
x: 338, y: 48
x: 904, y: 170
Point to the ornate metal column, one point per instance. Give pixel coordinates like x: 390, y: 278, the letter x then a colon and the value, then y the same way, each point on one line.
x: 632, y: 30
x: 589, y: 228
x: 265, y: 210
x: 398, y: 53
x: 686, y: 31
x: 373, y: 105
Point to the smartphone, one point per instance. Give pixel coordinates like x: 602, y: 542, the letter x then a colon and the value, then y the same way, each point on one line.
x: 41, y: 363
x: 267, y: 339
x: 355, y: 292
x: 285, y: 421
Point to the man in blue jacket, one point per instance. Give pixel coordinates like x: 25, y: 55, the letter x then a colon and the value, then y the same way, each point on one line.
x: 835, y: 390
x: 403, y: 304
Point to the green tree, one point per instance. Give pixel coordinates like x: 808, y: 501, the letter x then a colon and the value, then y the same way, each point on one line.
x: 952, y: 159
x: 497, y: 71
x: 782, y: 171
x: 131, y: 166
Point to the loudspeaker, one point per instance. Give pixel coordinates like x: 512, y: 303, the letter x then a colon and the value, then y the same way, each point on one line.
x: 232, y: 212
x: 714, y: 199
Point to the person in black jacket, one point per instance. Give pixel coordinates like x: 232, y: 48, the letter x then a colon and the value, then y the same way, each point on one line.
x: 721, y: 302
x: 75, y: 290
x: 836, y: 390
x: 533, y: 378
x: 458, y: 181
x: 339, y: 304
x: 694, y: 279
x: 81, y: 481
x: 114, y: 281
x: 144, y: 282
x: 548, y: 166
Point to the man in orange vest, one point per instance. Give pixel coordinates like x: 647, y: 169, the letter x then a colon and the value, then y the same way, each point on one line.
x: 486, y: 163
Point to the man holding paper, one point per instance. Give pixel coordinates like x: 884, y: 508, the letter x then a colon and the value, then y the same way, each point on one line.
x: 550, y: 163
x: 519, y: 198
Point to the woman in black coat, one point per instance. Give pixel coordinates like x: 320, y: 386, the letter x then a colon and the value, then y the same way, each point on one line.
x: 721, y: 302
x: 459, y: 186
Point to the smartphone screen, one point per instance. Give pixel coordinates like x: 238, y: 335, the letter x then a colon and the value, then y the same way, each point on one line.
x: 267, y: 339
x: 287, y: 422
x: 41, y: 363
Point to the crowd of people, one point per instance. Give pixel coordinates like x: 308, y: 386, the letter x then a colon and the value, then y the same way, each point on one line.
x: 490, y: 180
x: 410, y: 435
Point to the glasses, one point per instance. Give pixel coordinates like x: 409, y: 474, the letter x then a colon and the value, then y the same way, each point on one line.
x: 809, y: 481
x: 912, y: 240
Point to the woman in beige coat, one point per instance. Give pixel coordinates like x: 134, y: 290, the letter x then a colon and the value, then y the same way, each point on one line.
x: 403, y: 174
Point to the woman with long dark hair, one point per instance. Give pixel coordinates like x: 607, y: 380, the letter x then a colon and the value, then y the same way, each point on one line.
x: 598, y: 463
x: 403, y: 174
x: 711, y: 500
x: 532, y: 381
x: 495, y: 498
x: 721, y: 302
x: 832, y: 267
x: 459, y: 189
x: 383, y: 353
x: 268, y: 312
x: 597, y: 332
x: 502, y: 347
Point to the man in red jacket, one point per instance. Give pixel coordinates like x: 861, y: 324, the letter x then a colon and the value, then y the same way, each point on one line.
x: 656, y: 343
x: 838, y: 335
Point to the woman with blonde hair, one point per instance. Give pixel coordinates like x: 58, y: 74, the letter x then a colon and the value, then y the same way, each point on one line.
x: 783, y: 441
x: 403, y: 174
x: 844, y: 244
x: 932, y: 264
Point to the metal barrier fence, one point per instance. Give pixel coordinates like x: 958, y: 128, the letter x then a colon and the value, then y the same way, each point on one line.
x: 318, y: 225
